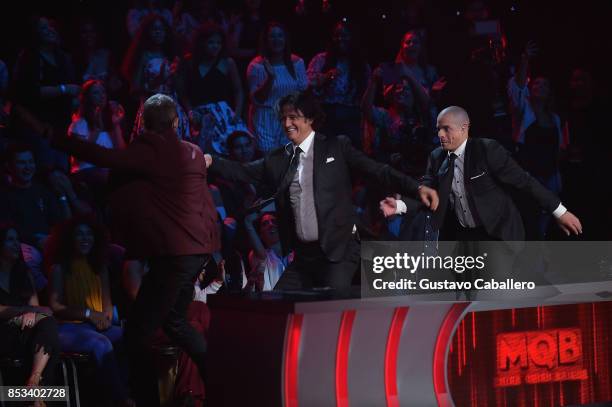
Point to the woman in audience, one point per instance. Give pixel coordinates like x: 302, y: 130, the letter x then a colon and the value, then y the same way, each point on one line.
x: 209, y: 76
x: 151, y: 66
x: 92, y: 60
x: 243, y: 35
x: 98, y: 121
x: 403, y: 131
x: 79, y: 295
x: 536, y: 128
x: 339, y: 77
x: 274, y: 73
x: 189, y: 15
x: 26, y: 329
x: 411, y: 57
x: 45, y: 84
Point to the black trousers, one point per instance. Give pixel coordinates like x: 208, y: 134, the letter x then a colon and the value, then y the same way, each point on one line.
x: 311, y: 269
x: 164, y: 296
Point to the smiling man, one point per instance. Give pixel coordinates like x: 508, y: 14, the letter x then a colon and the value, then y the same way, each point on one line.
x: 312, y: 179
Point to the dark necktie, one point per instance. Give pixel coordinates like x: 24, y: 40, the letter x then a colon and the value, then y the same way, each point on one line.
x: 291, y: 170
x: 445, y: 175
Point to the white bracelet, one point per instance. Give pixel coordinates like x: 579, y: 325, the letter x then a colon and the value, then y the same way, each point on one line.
x: 62, y: 89
x: 87, y: 313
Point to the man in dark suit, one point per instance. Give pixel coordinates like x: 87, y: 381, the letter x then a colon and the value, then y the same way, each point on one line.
x: 471, y: 177
x: 312, y: 179
x: 165, y: 215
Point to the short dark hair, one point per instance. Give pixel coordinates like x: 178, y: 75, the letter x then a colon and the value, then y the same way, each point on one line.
x: 158, y: 113
x: 305, y: 102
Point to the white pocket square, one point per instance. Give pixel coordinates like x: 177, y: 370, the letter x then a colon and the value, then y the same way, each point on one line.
x: 479, y: 175
x: 329, y: 159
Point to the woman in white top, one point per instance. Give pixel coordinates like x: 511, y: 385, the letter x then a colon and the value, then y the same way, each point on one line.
x: 98, y: 121
x: 151, y: 65
x: 274, y: 73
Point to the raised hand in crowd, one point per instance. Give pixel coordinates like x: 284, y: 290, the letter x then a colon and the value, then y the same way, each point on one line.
x: 439, y: 85
x: 269, y: 69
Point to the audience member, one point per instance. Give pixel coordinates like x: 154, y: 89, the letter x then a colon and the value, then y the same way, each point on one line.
x: 98, y: 121
x: 274, y: 73
x: 266, y: 259
x: 45, y: 84
x: 26, y: 329
x: 79, y: 295
x: 339, y: 77
x: 92, y: 60
x: 209, y: 83
x: 403, y: 131
x: 142, y: 9
x: 151, y: 65
x: 34, y: 207
x: 536, y: 128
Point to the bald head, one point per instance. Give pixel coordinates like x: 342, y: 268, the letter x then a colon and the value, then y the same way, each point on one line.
x: 456, y: 113
x: 453, y: 125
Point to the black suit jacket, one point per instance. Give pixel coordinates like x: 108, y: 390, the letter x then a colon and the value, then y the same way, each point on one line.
x: 489, y: 174
x: 334, y: 160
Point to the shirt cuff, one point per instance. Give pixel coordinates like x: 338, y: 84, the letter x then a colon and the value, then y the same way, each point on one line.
x: 400, y: 207
x: 560, y: 211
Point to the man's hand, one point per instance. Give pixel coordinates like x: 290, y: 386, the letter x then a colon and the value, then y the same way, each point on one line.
x: 28, y: 320
x: 570, y: 223
x: 388, y: 206
x: 429, y: 197
x: 208, y: 158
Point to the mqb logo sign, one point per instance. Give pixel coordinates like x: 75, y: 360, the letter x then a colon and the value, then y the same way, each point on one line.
x: 539, y: 357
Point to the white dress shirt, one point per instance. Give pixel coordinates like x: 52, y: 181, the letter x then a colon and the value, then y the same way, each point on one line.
x: 301, y: 194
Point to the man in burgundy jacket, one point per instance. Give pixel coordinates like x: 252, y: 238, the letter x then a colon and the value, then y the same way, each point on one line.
x: 165, y: 214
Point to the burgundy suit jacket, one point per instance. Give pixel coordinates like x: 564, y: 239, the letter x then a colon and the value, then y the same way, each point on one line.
x: 165, y: 209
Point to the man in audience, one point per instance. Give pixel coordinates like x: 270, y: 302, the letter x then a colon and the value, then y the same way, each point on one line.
x: 34, y: 207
